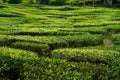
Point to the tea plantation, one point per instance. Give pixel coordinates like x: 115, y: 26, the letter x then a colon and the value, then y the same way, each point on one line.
x: 59, y: 42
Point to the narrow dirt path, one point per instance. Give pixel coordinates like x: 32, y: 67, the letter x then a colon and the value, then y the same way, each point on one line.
x: 108, y: 38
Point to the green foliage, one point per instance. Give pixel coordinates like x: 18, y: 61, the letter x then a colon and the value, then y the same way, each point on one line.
x: 4, y: 1
x: 46, y: 29
x: 15, y: 1
x: 58, y: 2
x: 12, y: 62
x: 116, y: 39
x: 2, y: 6
x: 67, y: 8
x: 87, y: 55
x: 4, y: 41
x: 9, y: 15
x: 63, y: 41
x: 61, y: 69
x: 41, y: 49
x: 45, y: 1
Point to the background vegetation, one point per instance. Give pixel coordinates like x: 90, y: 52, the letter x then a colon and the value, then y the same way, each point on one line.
x: 78, y: 40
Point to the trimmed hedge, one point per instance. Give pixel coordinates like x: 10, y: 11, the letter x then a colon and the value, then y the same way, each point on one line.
x: 10, y: 15
x: 49, y: 33
x: 12, y: 62
x: 107, y: 57
x: 116, y: 39
x: 25, y: 65
x: 3, y: 6
x: 53, y: 69
x: 63, y: 41
x: 41, y: 49
x: 5, y: 41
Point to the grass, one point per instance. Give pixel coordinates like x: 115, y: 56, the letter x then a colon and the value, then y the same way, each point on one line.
x: 59, y: 42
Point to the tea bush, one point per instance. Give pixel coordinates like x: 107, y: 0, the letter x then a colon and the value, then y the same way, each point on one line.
x: 116, y: 39
x: 48, y: 33
x: 46, y: 29
x: 9, y: 15
x: 4, y: 40
x: 41, y: 49
x: 61, y: 69
x: 87, y: 55
x: 12, y: 62
x: 63, y: 41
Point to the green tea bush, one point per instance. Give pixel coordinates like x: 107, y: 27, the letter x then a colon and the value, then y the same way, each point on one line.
x: 4, y: 41
x: 19, y: 64
x: 113, y: 47
x: 87, y: 55
x: 10, y: 15
x: 116, y: 39
x: 63, y: 41
x: 114, y: 28
x: 12, y: 62
x: 65, y: 8
x: 84, y: 40
x: 41, y: 49
x: 3, y: 6
x: 93, y: 30
x: 78, y: 25
x: 60, y: 69
x: 48, y: 33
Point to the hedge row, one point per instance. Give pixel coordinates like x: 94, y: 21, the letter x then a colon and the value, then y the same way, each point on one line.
x: 107, y: 57
x: 48, y: 33
x: 53, y: 69
x: 13, y: 61
x: 116, y: 39
x: 41, y: 49
x: 10, y: 15
x: 63, y: 41
x: 24, y: 65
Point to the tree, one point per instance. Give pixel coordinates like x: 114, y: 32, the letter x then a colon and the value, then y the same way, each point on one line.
x: 38, y: 2
x: 93, y: 2
x: 84, y: 2
x: 4, y: 1
x: 110, y: 2
x: 15, y: 1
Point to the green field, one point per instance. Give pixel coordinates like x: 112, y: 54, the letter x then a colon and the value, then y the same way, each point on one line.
x: 59, y: 43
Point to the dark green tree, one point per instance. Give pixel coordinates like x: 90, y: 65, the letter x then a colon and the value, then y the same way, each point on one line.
x: 45, y: 1
x: 4, y: 1
x: 110, y: 2
x: 15, y: 1
x: 60, y: 2
x: 38, y: 2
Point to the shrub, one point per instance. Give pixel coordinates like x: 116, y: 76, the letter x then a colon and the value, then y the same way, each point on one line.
x: 41, y: 49
x: 3, y: 6
x: 48, y: 33
x: 65, y: 8
x: 4, y: 41
x: 87, y: 55
x: 25, y: 65
x: 10, y: 15
x: 116, y: 39
x: 12, y: 62
x: 60, y: 69
x: 63, y: 41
